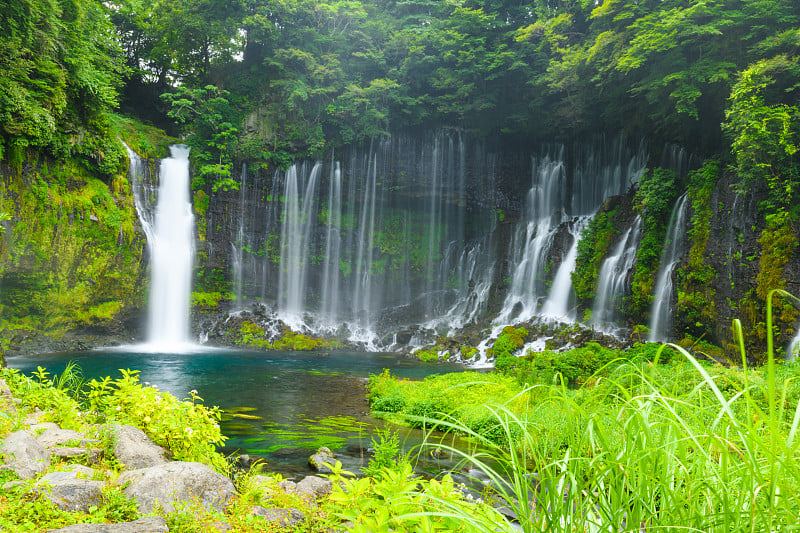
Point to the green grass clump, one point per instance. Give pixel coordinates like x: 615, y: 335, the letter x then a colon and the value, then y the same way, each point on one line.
x: 659, y: 447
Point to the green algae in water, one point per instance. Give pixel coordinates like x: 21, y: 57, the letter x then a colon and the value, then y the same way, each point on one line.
x: 309, y: 433
x: 321, y: 373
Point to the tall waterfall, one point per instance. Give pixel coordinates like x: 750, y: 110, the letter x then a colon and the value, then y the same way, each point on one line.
x: 372, y: 242
x: 611, y: 281
x: 406, y: 232
x: 168, y: 222
x: 670, y: 256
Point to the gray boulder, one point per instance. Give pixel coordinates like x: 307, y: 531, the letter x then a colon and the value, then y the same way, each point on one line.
x: 315, y: 486
x: 24, y: 455
x: 148, y: 524
x: 176, y: 482
x: 92, y: 455
x: 69, y: 493
x: 135, y: 450
x: 40, y: 427
x: 282, y: 517
x: 321, y: 460
x: 59, y: 437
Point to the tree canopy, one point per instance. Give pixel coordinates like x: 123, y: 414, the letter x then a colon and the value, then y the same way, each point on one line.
x: 300, y: 75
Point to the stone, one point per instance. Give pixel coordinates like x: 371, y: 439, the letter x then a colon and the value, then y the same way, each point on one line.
x: 81, y: 470
x: 134, y: 449
x: 39, y: 428
x: 69, y: 493
x: 24, y: 455
x: 92, y: 455
x: 148, y: 524
x: 59, y: 437
x: 315, y: 486
x: 176, y: 482
x: 282, y: 517
x: 321, y: 460
x: 287, y: 486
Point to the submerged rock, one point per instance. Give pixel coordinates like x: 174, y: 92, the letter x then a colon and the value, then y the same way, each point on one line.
x: 322, y: 460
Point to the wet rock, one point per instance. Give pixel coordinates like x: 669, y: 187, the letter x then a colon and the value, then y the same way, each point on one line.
x: 135, y: 450
x: 69, y: 493
x: 24, y: 455
x: 176, y: 482
x: 283, y: 517
x: 321, y: 460
x: 148, y: 524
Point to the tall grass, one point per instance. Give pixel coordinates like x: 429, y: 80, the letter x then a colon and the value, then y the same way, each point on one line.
x: 642, y: 455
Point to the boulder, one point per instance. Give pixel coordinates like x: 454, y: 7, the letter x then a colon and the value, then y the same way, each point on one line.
x: 134, y: 449
x: 92, y: 455
x: 69, y: 493
x: 282, y: 517
x: 59, y: 437
x: 82, y: 471
x: 315, y: 486
x: 320, y: 460
x: 24, y: 455
x: 148, y: 524
x: 176, y: 482
x: 40, y: 427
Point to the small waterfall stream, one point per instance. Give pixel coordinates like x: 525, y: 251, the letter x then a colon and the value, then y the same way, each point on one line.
x: 670, y: 256
x: 557, y: 304
x: 611, y: 281
x: 168, y: 222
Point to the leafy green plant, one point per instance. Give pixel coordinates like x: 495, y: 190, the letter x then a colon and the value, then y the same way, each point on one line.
x: 186, y: 427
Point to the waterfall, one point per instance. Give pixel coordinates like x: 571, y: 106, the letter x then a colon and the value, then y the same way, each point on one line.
x: 557, y: 304
x: 295, y: 237
x: 329, y: 303
x: 167, y: 219
x: 544, y: 212
x: 557, y: 196
x: 611, y: 281
x: 794, y: 346
x: 237, y: 247
x: 670, y: 257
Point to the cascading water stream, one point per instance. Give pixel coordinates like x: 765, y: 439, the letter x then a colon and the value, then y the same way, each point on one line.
x: 237, y: 247
x: 544, y: 212
x: 333, y: 250
x: 611, y: 281
x: 671, y: 255
x: 169, y: 226
x: 295, y: 237
x: 557, y: 304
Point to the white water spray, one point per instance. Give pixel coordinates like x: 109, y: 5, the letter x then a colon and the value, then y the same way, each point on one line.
x: 169, y: 226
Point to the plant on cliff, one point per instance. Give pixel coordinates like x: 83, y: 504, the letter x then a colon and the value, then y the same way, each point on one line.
x: 765, y: 140
x: 60, y: 69
x: 592, y: 249
x: 695, y: 307
x: 654, y: 199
